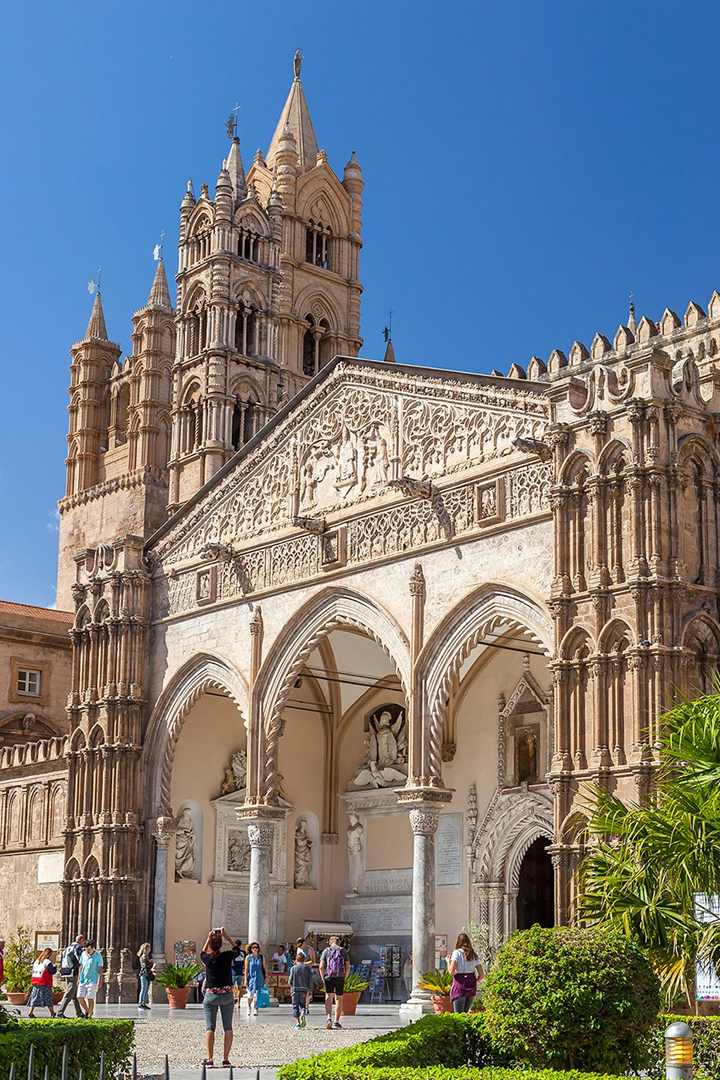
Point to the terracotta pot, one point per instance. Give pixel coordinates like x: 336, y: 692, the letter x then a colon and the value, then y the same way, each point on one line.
x: 18, y: 997
x: 177, y: 996
x: 350, y: 1001
x: 58, y: 996
x: 442, y: 1003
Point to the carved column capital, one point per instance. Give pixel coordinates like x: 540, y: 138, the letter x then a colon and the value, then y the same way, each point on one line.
x: 260, y: 833
x: 424, y: 820
x: 417, y: 580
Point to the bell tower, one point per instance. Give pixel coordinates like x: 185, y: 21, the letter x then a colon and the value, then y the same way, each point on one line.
x: 268, y: 291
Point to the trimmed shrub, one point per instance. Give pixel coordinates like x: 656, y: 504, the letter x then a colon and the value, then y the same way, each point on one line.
x: 706, y: 1046
x: 451, y: 1040
x: 567, y: 998
x: 83, y: 1038
x: 439, y: 1072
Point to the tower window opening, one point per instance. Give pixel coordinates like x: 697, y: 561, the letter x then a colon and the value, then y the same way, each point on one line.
x: 237, y: 426
x: 249, y: 246
x: 314, y: 346
x: 249, y: 422
x: 247, y: 331
x: 317, y: 245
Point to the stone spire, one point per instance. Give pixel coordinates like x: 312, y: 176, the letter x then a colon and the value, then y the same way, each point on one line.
x: 295, y: 117
x: 96, y: 327
x: 160, y: 294
x: 234, y: 166
x: 389, y: 357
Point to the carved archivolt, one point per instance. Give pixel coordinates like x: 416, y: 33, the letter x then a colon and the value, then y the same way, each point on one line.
x: 493, y: 608
x: 198, y: 675
x: 500, y: 844
x: 331, y: 610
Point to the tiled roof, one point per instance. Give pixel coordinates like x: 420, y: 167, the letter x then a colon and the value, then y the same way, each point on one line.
x: 52, y: 614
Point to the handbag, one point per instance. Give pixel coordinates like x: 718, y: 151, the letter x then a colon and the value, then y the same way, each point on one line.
x: 263, y: 998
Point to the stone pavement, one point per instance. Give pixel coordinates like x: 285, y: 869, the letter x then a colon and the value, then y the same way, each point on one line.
x: 264, y: 1042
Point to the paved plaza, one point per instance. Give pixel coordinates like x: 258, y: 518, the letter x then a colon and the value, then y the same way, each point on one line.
x: 264, y: 1042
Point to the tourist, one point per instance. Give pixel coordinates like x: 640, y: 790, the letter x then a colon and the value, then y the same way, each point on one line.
x: 41, y: 995
x: 238, y: 974
x: 280, y: 960
x: 464, y: 967
x: 70, y: 970
x: 218, y: 991
x: 334, y: 970
x: 300, y: 988
x: 310, y: 958
x: 408, y: 974
x: 147, y: 974
x: 254, y: 975
x: 91, y: 969
x: 2, y: 960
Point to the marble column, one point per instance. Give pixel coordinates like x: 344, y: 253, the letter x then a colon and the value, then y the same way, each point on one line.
x: 260, y: 834
x: 423, y: 822
x: 162, y: 834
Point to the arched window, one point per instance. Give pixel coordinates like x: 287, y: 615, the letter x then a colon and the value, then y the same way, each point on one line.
x: 249, y: 245
x: 315, y: 344
x: 191, y: 421
x: 237, y: 426
x: 247, y: 331
x: 122, y: 405
x: 318, y: 245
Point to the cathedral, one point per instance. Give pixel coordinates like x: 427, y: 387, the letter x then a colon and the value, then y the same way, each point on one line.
x: 341, y: 641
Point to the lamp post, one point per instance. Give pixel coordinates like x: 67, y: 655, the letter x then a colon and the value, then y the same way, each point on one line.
x: 678, y: 1052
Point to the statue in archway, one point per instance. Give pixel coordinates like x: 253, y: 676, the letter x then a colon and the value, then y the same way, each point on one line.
x: 303, y: 855
x: 235, y: 774
x: 385, y: 761
x: 185, y: 848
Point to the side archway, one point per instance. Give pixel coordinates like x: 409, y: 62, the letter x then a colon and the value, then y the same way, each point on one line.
x: 200, y: 674
x: 493, y: 610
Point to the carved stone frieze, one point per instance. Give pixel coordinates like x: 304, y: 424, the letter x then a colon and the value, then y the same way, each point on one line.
x: 356, y: 432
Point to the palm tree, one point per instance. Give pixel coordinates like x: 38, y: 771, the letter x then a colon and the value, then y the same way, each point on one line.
x: 652, y: 869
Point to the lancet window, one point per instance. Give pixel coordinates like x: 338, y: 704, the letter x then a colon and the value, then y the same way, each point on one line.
x: 314, y: 348
x: 191, y: 421
x: 196, y: 330
x: 318, y: 245
x: 247, y: 330
x: 249, y: 245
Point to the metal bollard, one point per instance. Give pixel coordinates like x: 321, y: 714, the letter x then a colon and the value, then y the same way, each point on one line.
x: 31, y: 1062
x: 63, y: 1067
x: 679, y: 1052
x: 167, y: 1068
x: 134, y: 1068
x: 102, y: 1065
x: 12, y: 1071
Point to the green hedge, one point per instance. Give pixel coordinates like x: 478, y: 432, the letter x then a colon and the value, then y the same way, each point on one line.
x: 452, y: 1040
x: 706, y: 1046
x: 440, y: 1072
x: 83, y: 1038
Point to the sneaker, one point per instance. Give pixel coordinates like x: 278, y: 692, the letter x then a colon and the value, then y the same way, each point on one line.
x: 328, y: 1023
x: 303, y: 1021
x: 298, y: 1025
x: 337, y: 1025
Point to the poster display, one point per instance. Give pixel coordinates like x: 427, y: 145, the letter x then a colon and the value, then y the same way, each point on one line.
x: 441, y: 951
x: 185, y: 952
x: 707, y: 983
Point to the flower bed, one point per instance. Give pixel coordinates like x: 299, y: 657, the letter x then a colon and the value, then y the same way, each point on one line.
x: 85, y: 1039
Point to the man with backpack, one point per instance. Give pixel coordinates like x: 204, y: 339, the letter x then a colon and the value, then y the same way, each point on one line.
x: 334, y: 970
x: 70, y: 970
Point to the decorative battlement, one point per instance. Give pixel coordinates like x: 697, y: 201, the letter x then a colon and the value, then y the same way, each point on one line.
x: 33, y: 753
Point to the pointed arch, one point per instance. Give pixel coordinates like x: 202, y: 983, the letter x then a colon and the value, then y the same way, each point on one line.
x: 313, y: 297
x: 331, y: 609
x: 493, y: 607
x: 576, y: 468
x: 201, y: 673
x: 615, y: 456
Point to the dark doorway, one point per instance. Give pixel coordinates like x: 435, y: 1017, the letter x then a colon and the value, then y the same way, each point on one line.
x: 535, y: 895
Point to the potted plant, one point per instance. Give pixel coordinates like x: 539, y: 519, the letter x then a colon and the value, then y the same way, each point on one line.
x: 19, y: 958
x: 175, y: 978
x: 354, y: 986
x: 438, y: 982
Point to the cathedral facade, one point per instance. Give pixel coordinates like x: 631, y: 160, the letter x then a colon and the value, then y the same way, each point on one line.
x: 350, y: 637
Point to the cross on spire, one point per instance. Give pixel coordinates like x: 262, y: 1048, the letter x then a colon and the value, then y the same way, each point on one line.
x: 387, y: 330
x: 231, y: 125
x: 94, y: 286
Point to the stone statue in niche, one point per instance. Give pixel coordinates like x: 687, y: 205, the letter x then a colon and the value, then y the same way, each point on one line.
x: 386, y: 760
x: 238, y: 856
x: 185, y: 848
x: 526, y: 755
x: 355, y: 841
x: 235, y: 778
x: 303, y: 855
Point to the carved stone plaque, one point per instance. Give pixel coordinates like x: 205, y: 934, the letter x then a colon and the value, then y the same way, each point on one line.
x: 449, y: 850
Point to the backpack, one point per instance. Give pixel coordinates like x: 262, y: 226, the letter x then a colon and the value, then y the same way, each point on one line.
x: 69, y: 963
x: 336, y: 963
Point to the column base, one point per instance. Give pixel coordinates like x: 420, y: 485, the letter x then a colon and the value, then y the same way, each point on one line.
x: 415, y: 1008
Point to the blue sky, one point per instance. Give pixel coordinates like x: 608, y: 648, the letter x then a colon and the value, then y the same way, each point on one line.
x: 527, y: 165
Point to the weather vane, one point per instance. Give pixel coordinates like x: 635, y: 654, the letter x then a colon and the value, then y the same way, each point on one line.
x: 387, y: 330
x: 94, y: 286
x: 158, y: 249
